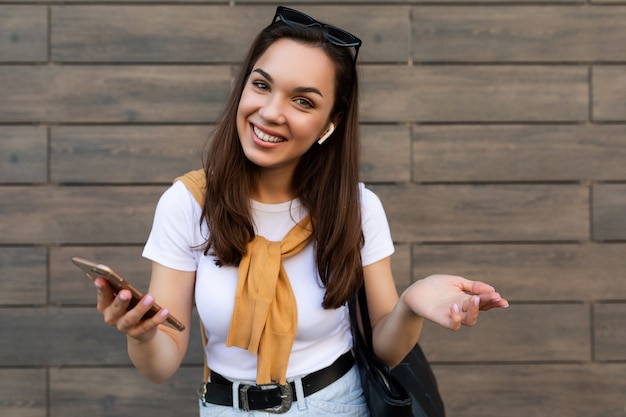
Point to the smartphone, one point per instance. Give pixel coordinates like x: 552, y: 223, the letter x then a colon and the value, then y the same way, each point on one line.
x: 118, y: 283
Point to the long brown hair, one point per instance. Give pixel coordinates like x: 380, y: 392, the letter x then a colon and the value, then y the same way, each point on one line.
x: 325, y: 179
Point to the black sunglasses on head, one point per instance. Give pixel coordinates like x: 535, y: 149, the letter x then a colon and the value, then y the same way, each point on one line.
x: 334, y: 35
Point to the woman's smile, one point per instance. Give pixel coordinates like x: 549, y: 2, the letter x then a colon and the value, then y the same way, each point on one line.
x: 266, y: 137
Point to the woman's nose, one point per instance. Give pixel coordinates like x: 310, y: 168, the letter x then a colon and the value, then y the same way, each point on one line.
x: 272, y: 109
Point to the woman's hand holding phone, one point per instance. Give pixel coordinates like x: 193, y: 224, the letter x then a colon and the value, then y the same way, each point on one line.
x: 118, y: 312
x: 123, y: 305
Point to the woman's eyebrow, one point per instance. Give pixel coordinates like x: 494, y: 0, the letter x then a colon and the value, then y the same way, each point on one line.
x: 298, y: 89
x: 264, y: 74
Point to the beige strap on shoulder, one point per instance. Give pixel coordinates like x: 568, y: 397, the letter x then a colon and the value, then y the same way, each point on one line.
x: 195, y: 181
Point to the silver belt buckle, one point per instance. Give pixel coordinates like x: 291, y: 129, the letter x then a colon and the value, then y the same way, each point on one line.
x: 202, y: 392
x: 286, y: 397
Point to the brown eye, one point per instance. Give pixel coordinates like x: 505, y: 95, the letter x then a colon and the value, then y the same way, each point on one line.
x: 261, y: 85
x: 304, y: 103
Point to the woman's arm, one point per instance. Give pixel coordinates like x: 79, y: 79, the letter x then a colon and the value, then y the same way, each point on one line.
x: 395, y: 328
x: 156, y: 350
x: 447, y: 300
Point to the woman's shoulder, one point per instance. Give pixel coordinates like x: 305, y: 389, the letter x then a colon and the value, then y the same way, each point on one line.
x: 195, y: 182
x: 178, y: 199
x: 369, y: 199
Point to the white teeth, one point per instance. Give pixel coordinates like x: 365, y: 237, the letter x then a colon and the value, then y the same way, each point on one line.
x: 265, y: 137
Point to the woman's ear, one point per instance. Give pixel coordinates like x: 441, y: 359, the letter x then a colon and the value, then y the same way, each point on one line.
x: 331, y: 129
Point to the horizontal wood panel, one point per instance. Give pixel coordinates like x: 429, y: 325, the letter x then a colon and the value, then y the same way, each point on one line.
x: 520, y: 333
x: 385, y: 154
x: 555, y: 272
x: 519, y: 34
x: 474, y: 93
x: 23, y: 154
x: 519, y: 153
x: 459, y: 213
x: 401, y: 266
x: 567, y: 390
x: 609, y: 204
x: 609, y: 335
x: 125, y: 154
x: 122, y: 392
x: 208, y: 34
x: 44, y: 215
x: 153, y: 34
x: 23, y: 393
x: 55, y: 336
x: 23, y: 274
x: 107, y: 94
x: 74, y: 336
x: 23, y: 33
x: 609, y: 90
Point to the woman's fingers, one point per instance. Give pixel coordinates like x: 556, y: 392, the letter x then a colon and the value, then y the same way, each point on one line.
x: 117, y: 308
x: 105, y: 294
x: 116, y: 312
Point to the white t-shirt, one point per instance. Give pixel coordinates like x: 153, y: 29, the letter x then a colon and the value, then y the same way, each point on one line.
x: 322, y: 335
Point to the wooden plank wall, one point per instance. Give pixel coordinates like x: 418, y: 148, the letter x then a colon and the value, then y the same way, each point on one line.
x: 494, y: 132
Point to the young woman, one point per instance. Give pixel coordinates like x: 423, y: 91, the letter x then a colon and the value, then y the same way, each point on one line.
x: 279, y: 238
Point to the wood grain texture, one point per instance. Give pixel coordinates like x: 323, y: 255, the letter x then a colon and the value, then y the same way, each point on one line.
x: 385, y: 154
x: 152, y: 34
x: 474, y: 93
x: 23, y: 154
x: 125, y: 154
x: 205, y: 34
x: 122, y: 392
x: 23, y: 393
x: 466, y: 153
x: 401, y: 266
x: 48, y: 215
x: 486, y: 213
x: 519, y: 34
x: 559, y: 390
x: 609, y: 203
x: 532, y: 272
x: 23, y: 33
x: 76, y: 336
x: 609, y: 90
x: 609, y: 335
x: 112, y: 94
x: 521, y: 333
x: 23, y: 276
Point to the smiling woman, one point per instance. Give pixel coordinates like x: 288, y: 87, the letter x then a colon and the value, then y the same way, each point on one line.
x: 274, y: 236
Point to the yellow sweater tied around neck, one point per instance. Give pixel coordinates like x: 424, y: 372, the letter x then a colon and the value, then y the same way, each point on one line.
x: 265, y: 315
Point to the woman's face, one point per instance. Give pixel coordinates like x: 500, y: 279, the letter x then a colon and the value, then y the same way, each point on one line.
x: 285, y: 105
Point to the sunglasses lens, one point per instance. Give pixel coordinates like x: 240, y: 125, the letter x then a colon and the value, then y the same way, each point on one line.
x: 294, y: 16
x: 341, y: 37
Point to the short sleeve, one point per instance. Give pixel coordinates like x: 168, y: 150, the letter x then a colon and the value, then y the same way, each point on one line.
x: 174, y: 238
x: 378, y: 242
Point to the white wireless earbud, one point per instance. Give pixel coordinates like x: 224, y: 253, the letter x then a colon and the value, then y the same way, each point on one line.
x: 331, y: 129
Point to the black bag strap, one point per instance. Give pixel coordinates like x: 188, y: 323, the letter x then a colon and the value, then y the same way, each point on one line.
x: 365, y: 317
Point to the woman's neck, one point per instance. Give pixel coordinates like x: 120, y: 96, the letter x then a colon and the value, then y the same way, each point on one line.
x: 273, y: 188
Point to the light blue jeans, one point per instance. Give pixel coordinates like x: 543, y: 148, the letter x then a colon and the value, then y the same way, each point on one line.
x: 342, y: 398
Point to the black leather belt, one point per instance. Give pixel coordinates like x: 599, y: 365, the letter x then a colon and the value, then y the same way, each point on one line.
x: 273, y: 398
